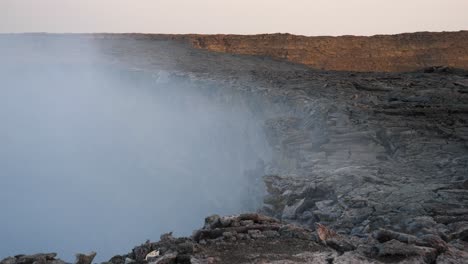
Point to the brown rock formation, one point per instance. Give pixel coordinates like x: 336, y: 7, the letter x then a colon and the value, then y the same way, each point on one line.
x: 380, y: 53
x: 385, y: 53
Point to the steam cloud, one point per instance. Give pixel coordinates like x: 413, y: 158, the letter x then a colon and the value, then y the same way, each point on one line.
x: 101, y: 158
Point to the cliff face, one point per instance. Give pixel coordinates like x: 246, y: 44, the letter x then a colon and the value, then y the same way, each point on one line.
x: 382, y: 53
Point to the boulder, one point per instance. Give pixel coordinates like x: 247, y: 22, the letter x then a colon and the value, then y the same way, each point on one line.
x: 85, y: 259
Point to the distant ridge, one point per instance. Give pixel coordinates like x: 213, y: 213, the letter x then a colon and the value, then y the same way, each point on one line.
x: 384, y: 53
x: 379, y: 53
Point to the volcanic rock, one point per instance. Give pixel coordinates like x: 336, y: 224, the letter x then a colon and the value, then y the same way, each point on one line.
x: 85, y: 259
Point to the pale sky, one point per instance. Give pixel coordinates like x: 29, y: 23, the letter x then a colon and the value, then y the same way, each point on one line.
x: 306, y: 17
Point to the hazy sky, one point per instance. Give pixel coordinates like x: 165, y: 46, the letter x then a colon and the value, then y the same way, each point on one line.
x: 307, y: 17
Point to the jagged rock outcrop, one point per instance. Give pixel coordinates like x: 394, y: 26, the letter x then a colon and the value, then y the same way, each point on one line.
x: 254, y: 238
x: 85, y: 259
x: 43, y: 258
x: 47, y: 258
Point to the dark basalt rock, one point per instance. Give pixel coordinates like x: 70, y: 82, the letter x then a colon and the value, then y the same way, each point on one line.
x: 270, y: 239
x: 85, y: 259
x: 42, y: 258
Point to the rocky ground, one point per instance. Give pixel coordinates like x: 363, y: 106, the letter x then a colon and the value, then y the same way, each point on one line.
x: 366, y: 167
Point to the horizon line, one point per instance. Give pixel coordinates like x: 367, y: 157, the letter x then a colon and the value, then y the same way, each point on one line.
x: 223, y: 34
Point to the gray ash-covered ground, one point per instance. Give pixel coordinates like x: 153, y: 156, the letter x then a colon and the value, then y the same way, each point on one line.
x: 379, y: 158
